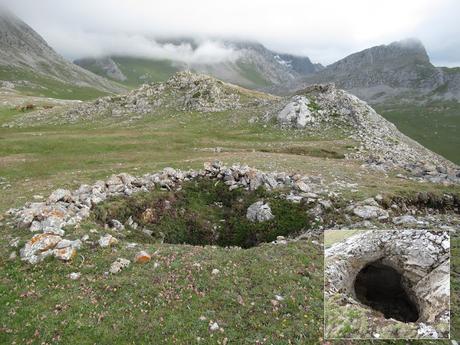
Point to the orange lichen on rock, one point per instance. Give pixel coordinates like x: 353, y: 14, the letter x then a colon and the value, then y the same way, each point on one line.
x: 142, y: 257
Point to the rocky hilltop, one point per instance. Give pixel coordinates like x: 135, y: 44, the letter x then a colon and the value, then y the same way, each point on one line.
x: 381, y: 145
x: 25, y: 55
x: 183, y: 91
x: 396, y: 71
x: 315, y: 110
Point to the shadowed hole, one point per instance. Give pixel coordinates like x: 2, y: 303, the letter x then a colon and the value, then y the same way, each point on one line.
x: 204, y: 212
x: 380, y: 287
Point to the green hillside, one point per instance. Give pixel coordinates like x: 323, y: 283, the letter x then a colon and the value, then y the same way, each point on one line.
x: 31, y: 83
x: 435, y: 125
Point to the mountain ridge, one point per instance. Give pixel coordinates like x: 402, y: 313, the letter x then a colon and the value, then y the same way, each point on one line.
x: 396, y: 71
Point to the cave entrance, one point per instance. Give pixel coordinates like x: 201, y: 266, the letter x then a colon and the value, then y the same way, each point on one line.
x: 202, y: 212
x: 381, y: 287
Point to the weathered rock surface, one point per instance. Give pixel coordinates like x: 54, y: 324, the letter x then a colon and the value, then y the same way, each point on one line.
x: 296, y: 113
x: 107, y: 241
x: 43, y: 245
x: 259, y: 212
x: 119, y: 265
x: 142, y: 257
x: 370, y: 212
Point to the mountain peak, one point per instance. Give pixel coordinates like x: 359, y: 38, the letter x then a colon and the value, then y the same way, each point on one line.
x: 394, y: 55
x: 410, y: 43
x: 411, y: 47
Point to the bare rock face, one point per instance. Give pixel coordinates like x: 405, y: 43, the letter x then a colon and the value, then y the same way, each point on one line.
x: 433, y: 293
x: 393, y: 72
x: 422, y: 259
x: 296, y: 113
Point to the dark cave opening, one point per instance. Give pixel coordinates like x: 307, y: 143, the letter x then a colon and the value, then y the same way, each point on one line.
x: 380, y: 287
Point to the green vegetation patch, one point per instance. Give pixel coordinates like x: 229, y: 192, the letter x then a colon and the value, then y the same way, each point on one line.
x: 205, y: 212
x: 139, y: 71
x: 251, y: 73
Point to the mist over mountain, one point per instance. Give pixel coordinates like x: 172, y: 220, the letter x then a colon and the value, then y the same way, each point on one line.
x: 244, y: 63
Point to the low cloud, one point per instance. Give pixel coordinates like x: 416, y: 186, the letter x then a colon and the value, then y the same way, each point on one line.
x: 324, y: 30
x: 85, y: 44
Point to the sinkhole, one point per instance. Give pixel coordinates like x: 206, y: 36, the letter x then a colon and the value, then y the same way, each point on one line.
x: 381, y: 287
x: 203, y: 212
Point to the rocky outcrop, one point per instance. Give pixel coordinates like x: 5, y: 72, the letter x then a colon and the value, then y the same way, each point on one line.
x: 43, y: 245
x: 296, y: 113
x: 380, y: 145
x: 421, y: 257
x: 184, y: 91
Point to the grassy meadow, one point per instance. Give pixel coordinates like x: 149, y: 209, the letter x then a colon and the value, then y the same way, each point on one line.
x: 174, y: 298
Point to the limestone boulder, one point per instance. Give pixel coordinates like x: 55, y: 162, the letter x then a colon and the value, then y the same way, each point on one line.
x: 259, y: 212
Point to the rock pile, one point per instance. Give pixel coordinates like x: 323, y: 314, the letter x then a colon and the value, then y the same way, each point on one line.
x: 43, y: 245
x: 64, y: 209
x: 183, y: 91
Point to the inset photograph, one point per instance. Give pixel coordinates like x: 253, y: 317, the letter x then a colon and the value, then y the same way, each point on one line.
x: 387, y: 284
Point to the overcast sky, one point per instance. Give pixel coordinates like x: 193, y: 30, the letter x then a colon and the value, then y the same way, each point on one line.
x: 324, y: 30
